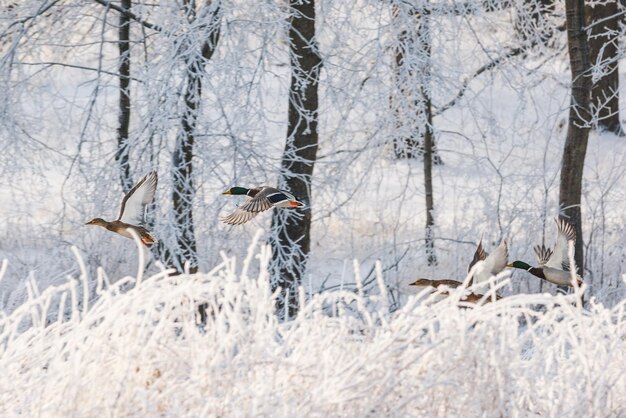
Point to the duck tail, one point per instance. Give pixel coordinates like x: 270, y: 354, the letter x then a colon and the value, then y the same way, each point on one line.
x: 295, y: 204
x: 148, y: 240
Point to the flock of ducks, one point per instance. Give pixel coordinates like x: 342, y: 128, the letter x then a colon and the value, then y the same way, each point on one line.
x: 133, y: 208
x: 552, y: 265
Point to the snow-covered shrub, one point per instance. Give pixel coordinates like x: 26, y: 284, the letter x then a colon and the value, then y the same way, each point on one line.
x: 137, y: 349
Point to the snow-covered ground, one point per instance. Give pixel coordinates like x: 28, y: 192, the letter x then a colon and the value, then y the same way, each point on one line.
x: 139, y: 352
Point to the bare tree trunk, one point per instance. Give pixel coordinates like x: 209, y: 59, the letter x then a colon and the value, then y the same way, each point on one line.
x: 123, y: 146
x: 182, y: 169
x: 431, y: 257
x: 411, y: 104
x: 182, y: 160
x: 424, y: 43
x: 603, y: 52
x: 578, y: 125
x: 290, y: 238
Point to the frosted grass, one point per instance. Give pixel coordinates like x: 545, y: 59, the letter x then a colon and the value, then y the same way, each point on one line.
x: 140, y: 352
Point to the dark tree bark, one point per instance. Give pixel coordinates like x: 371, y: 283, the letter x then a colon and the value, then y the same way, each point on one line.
x: 412, y: 103
x: 290, y: 238
x: 578, y: 125
x: 182, y: 160
x: 603, y: 52
x: 123, y: 146
x: 423, y: 36
x: 431, y: 257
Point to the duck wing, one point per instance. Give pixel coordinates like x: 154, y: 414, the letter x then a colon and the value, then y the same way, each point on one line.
x: 479, y: 255
x: 543, y: 254
x: 134, y: 203
x: 239, y: 217
x: 566, y: 232
x: 493, y: 264
x: 498, y: 259
x: 264, y: 199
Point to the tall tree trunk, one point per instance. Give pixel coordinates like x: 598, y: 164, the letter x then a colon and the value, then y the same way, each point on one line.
x: 424, y: 44
x: 123, y: 146
x: 409, y: 104
x: 182, y: 160
x: 290, y: 238
x: 578, y: 125
x: 182, y: 169
x: 603, y: 46
x: 431, y: 257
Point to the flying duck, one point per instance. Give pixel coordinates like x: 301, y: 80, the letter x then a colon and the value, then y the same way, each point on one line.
x: 553, y: 264
x: 259, y: 199
x: 132, y: 211
x: 492, y: 265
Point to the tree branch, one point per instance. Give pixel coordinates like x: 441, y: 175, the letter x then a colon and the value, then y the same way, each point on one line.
x: 511, y: 53
x: 80, y: 67
x: 130, y: 15
x: 210, y: 45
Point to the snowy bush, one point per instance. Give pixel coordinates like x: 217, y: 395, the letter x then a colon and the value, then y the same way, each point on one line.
x: 135, y: 348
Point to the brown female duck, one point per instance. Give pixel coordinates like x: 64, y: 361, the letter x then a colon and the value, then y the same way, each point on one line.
x: 492, y: 265
x: 132, y: 211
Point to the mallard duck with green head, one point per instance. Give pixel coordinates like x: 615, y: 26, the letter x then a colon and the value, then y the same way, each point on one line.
x: 553, y: 265
x: 132, y: 211
x: 259, y: 199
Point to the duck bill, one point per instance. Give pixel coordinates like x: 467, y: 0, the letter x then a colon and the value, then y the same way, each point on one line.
x: 295, y: 204
x: 227, y: 192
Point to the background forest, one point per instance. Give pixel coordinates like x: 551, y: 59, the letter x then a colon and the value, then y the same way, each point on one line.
x: 213, y: 94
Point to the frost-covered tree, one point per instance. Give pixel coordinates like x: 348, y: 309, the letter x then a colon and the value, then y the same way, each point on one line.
x: 602, y: 18
x: 291, y: 231
x: 123, y: 145
x: 575, y: 148
x: 96, y: 93
x: 207, y: 21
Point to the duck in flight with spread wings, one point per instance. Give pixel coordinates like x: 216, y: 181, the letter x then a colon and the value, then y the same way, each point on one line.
x: 492, y: 265
x: 132, y: 211
x: 259, y: 199
x: 554, y: 264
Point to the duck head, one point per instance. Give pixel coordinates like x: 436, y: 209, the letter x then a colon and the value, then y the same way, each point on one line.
x: 237, y: 190
x: 519, y: 265
x: 421, y: 282
x: 97, y: 221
